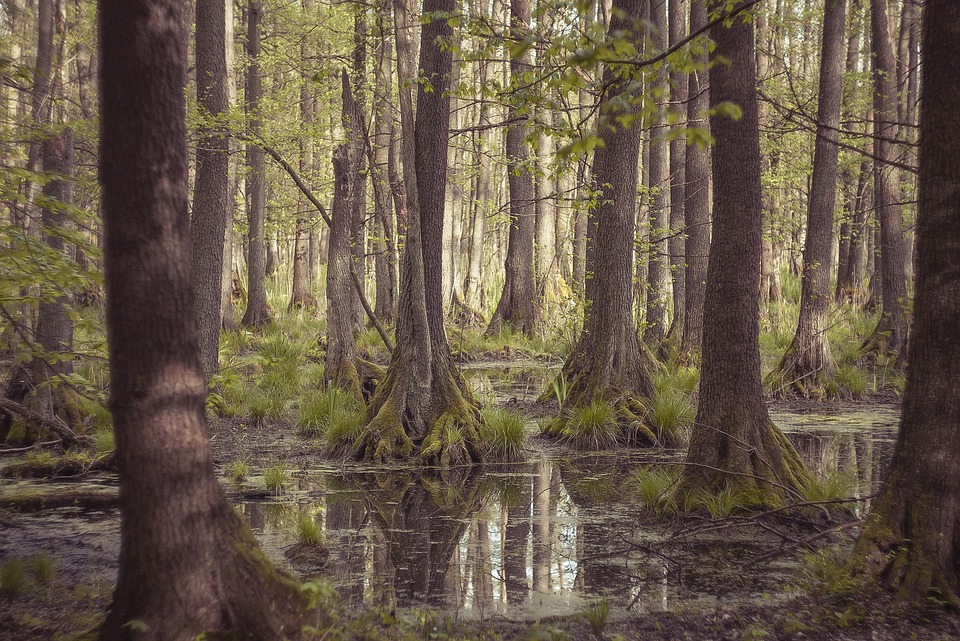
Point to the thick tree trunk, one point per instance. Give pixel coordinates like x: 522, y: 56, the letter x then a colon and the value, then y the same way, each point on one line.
x: 890, y: 335
x: 257, y: 312
x: 807, y: 365
x: 208, y: 226
x: 518, y: 308
x: 423, y: 401
x: 734, y: 442
x: 911, y: 543
x: 188, y: 563
x: 697, y: 196
x: 607, y: 361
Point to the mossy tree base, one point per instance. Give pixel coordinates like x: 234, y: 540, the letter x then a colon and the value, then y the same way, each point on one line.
x: 38, y: 408
x: 752, y: 459
x: 805, y: 370
x: 885, y: 344
x: 443, y: 431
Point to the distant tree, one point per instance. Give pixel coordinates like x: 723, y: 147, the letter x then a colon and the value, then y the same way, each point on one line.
x: 679, y: 90
x: 734, y: 442
x: 518, y: 307
x: 807, y: 365
x: 208, y: 225
x: 257, y: 312
x: 911, y: 542
x: 890, y: 335
x: 188, y: 562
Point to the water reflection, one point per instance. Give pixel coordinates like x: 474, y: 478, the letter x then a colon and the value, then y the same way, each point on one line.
x: 543, y: 537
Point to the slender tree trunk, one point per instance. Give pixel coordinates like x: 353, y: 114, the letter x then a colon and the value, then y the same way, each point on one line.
x: 658, y: 276
x: 910, y: 542
x: 358, y: 227
x: 208, y: 226
x: 518, y: 308
x: 734, y: 443
x: 678, y: 179
x: 848, y: 176
x: 257, y: 313
x: 696, y: 195
x: 227, y: 318
x: 890, y: 335
x: 188, y: 563
x: 302, y: 295
x: 808, y: 365
x: 386, y: 253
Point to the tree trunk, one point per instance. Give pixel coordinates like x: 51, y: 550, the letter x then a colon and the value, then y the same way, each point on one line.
x: 678, y: 179
x: 257, y: 313
x: 890, y: 334
x: 518, y: 308
x: 734, y: 443
x: 607, y: 361
x: 658, y: 276
x: 697, y: 195
x: 386, y: 247
x: 302, y: 295
x: 208, y: 226
x: 188, y: 563
x: 807, y: 365
x: 423, y: 400
x: 340, y: 368
x: 911, y: 543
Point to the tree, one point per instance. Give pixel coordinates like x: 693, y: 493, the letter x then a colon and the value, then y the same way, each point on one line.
x: 188, y: 562
x: 608, y: 362
x: 734, y: 443
x: 257, y: 312
x: 890, y: 334
x: 678, y: 177
x: 208, y: 225
x: 518, y: 303
x: 807, y: 365
x: 423, y: 400
x: 911, y: 542
x: 697, y: 193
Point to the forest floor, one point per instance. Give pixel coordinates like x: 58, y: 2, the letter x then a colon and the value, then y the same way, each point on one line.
x: 70, y: 553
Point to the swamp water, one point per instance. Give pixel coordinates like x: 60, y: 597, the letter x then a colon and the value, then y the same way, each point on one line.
x: 548, y: 536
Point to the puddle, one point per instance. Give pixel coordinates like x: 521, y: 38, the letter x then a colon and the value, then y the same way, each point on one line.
x: 546, y: 537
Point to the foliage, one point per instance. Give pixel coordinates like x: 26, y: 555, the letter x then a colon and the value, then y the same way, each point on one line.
x: 275, y: 478
x: 596, y: 616
x: 590, y: 427
x: 309, y: 531
x: 237, y: 471
x: 43, y: 568
x: 13, y: 578
x: 502, y: 434
x: 653, y: 486
x: 825, y: 571
x: 333, y: 415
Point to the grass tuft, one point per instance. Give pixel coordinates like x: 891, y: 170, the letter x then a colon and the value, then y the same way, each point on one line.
x: 309, y: 531
x: 275, y: 479
x: 237, y: 471
x: 13, y: 578
x: 653, y: 486
x: 591, y: 427
x: 43, y: 568
x: 502, y: 433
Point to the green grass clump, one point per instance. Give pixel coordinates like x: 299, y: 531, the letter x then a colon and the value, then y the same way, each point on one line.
x: 275, y: 479
x: 43, y: 568
x: 13, y: 578
x: 834, y: 486
x: 673, y: 415
x: 275, y: 346
x: 591, y: 427
x: 825, y: 571
x: 309, y: 531
x: 503, y: 435
x: 104, y: 442
x: 333, y: 415
x: 848, y: 381
x: 653, y: 486
x: 596, y: 616
x: 237, y: 471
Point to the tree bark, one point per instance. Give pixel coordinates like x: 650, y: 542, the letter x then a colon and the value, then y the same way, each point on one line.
x: 340, y: 367
x: 257, y: 313
x: 911, y: 542
x: 890, y: 335
x: 386, y: 246
x: 608, y: 361
x: 208, y: 225
x: 678, y: 178
x: 188, y: 563
x: 734, y: 443
x: 696, y: 194
x: 658, y: 171
x: 518, y: 308
x: 807, y: 365
x: 423, y: 402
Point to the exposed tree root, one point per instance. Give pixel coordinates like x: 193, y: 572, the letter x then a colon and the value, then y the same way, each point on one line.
x: 462, y: 315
